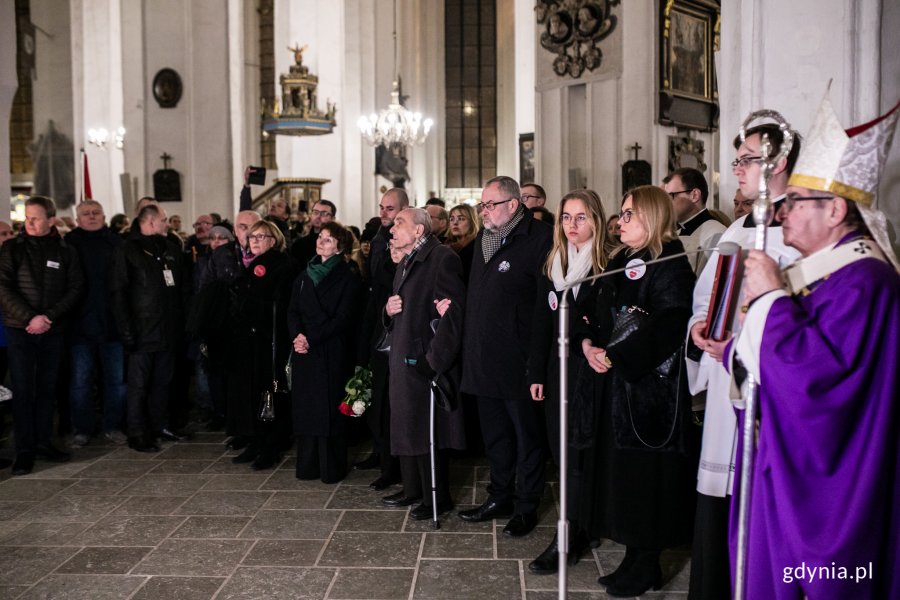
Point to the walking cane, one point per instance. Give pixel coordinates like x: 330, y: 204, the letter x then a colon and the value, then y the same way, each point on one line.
x: 762, y: 213
x: 435, y: 524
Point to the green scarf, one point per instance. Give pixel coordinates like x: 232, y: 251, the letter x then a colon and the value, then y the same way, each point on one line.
x: 317, y: 270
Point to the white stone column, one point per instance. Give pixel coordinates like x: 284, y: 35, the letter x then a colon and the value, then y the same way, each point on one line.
x: 8, y: 85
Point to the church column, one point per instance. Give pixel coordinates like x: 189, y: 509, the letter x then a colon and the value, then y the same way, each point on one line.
x: 8, y: 85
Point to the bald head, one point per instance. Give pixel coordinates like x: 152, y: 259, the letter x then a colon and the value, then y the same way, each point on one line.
x: 393, y: 201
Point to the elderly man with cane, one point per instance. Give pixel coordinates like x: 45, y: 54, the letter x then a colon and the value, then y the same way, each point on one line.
x: 420, y: 354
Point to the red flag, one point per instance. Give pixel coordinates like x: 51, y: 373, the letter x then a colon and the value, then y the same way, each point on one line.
x: 86, y: 180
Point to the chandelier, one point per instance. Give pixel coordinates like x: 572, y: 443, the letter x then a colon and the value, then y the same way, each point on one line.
x: 395, y: 125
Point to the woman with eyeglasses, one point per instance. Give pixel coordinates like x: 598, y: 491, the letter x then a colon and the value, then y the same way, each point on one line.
x: 463, y: 231
x: 322, y: 321
x: 579, y: 250
x: 639, y: 472
x: 259, y: 299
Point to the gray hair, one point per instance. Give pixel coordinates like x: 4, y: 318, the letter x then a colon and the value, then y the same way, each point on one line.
x: 419, y: 216
x: 507, y: 185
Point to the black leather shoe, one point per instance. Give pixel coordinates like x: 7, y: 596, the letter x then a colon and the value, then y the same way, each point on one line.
x: 265, y: 460
x: 238, y: 442
x: 521, y: 524
x: 487, y: 511
x: 140, y: 444
x: 248, y: 455
x: 24, y: 463
x: 423, y: 511
x: 547, y: 563
x: 52, y: 454
x: 383, y: 483
x: 172, y: 436
x: 370, y: 462
x: 636, y: 581
x: 400, y: 499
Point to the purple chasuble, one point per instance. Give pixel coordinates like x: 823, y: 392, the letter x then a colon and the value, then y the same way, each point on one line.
x: 826, y: 483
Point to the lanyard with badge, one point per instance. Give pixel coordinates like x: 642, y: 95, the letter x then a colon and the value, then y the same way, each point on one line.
x: 168, y: 276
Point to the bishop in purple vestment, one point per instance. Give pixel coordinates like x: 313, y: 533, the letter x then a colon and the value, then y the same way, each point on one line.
x: 823, y: 341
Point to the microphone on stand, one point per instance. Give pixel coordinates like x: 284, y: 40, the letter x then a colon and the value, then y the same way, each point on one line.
x: 724, y: 248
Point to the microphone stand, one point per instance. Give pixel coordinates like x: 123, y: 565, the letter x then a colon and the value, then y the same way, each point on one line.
x: 762, y: 214
x: 562, y: 526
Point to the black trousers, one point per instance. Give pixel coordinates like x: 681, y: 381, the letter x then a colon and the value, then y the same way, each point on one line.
x: 513, y: 433
x: 149, y: 382
x: 416, y: 474
x: 33, y: 368
x: 710, y: 568
x: 321, y: 457
x: 379, y: 417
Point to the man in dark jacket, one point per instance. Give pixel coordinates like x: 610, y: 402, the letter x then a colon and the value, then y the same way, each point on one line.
x: 94, y: 334
x: 148, y: 291
x: 429, y: 272
x: 40, y: 283
x: 381, y: 281
x: 509, y: 254
x: 303, y: 249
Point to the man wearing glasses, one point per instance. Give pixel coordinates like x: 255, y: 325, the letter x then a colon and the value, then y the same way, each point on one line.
x: 709, y: 570
x: 509, y: 254
x: 533, y: 195
x: 822, y: 338
x: 303, y: 249
x: 697, y: 229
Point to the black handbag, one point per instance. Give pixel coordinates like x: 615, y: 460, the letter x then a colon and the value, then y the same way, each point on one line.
x: 384, y: 342
x: 267, y: 397
x: 647, y: 400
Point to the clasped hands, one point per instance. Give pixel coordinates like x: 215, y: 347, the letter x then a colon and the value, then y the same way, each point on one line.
x: 38, y: 324
x: 301, y: 344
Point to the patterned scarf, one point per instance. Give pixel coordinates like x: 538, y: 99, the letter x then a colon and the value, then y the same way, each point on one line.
x: 491, y: 241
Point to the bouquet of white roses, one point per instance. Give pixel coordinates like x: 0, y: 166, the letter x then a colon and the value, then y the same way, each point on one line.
x: 359, y: 393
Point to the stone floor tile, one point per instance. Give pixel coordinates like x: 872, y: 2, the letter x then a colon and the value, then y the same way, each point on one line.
x: 291, y: 525
x: 468, y: 579
x: 240, y: 482
x: 676, y: 568
x: 357, y: 477
x: 48, y: 470
x: 354, y: 496
x: 276, y: 583
x: 194, y: 557
x: 224, y: 503
x: 182, y: 466
x: 116, y: 469
x: 450, y: 522
x: 84, y: 587
x: 32, y: 489
x: 371, y: 584
x: 162, y: 484
x: 372, y: 520
x: 284, y: 479
x: 97, y: 487
x: 208, y: 437
x: 211, y: 527
x: 610, y: 546
x: 297, y: 500
x: 129, y: 531
x: 12, y: 510
x: 149, y: 505
x: 179, y: 588
x: 25, y: 565
x: 581, y: 577
x: 104, y: 561
x: 458, y: 545
x: 570, y: 595
x: 284, y: 553
x: 8, y: 527
x: 224, y: 466
x: 11, y: 592
x: 125, y: 453
x: 527, y: 547
x: 353, y: 549
x: 192, y: 452
x: 73, y: 508
x: 44, y: 534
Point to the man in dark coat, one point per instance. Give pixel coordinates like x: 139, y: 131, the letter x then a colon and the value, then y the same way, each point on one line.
x: 95, y: 340
x: 303, y: 249
x: 148, y: 294
x: 40, y: 283
x: 509, y: 254
x: 429, y: 272
x: 381, y: 285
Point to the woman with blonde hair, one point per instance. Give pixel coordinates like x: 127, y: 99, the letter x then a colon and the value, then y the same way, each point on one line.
x: 579, y: 250
x: 463, y: 231
x: 639, y: 470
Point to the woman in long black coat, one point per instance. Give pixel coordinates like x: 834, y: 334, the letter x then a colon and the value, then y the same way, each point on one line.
x: 579, y: 250
x: 258, y: 302
x: 322, y: 322
x: 639, y: 474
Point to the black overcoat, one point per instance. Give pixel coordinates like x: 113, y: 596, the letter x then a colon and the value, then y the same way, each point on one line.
x: 499, y: 311
x: 434, y: 273
x: 327, y: 315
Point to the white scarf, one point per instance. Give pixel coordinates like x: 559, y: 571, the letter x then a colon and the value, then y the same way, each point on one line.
x: 580, y: 264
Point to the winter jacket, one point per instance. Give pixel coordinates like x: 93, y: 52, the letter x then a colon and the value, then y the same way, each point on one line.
x: 93, y: 320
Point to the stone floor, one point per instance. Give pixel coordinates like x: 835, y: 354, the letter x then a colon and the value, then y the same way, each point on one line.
x: 188, y: 524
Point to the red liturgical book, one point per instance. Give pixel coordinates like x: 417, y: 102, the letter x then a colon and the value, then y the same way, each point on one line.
x: 723, y: 301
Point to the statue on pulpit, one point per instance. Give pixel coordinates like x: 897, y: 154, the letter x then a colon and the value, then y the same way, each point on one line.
x: 298, y: 53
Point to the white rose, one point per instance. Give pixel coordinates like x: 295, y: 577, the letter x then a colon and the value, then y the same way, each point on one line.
x: 359, y: 407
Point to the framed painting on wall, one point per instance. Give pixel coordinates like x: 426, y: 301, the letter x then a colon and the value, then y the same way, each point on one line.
x: 526, y: 158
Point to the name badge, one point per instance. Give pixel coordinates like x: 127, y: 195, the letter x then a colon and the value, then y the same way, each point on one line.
x: 52, y: 264
x: 169, y: 278
x: 635, y: 269
x: 552, y: 300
